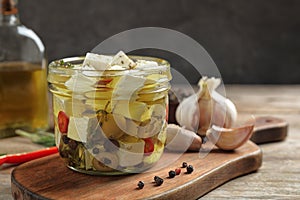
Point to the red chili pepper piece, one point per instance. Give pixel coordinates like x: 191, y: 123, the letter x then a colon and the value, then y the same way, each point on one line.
x: 149, y: 146
x: 63, y: 122
x: 24, y: 157
x: 104, y: 81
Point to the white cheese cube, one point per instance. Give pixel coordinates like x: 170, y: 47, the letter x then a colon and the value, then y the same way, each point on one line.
x: 80, y: 83
x: 117, y: 68
x: 79, y: 127
x: 131, y: 127
x: 145, y: 64
x: 99, y: 62
x: 131, y: 110
x: 127, y: 87
x: 122, y: 60
x: 150, y: 129
x: 130, y: 153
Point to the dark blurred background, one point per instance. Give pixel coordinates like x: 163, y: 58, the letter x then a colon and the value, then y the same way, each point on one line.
x: 256, y: 41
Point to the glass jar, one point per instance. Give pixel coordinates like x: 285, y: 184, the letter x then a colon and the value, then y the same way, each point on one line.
x: 112, y: 121
x: 23, y: 81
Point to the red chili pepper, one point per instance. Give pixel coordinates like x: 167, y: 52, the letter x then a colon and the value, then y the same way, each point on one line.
x: 24, y: 157
x: 104, y: 81
x: 149, y: 146
x: 63, y: 122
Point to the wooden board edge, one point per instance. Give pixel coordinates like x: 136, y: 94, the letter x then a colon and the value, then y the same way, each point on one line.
x: 250, y: 163
x: 19, y: 192
x: 269, y: 129
x: 271, y: 135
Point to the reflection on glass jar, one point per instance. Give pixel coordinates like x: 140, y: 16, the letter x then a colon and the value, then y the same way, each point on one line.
x: 110, y: 121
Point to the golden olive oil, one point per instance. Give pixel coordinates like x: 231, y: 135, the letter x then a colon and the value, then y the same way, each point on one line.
x: 23, y: 97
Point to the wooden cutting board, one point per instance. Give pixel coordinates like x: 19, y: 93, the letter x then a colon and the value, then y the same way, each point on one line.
x: 269, y: 129
x: 48, y: 178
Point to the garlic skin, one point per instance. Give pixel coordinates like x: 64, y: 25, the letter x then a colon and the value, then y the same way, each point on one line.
x: 180, y: 139
x: 205, y: 108
x: 187, y: 113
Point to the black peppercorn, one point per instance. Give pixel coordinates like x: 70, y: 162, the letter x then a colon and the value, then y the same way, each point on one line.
x: 189, y: 169
x: 141, y: 185
x: 172, y: 174
x: 159, y: 181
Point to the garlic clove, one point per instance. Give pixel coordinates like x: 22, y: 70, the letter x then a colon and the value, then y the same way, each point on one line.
x: 187, y: 113
x: 224, y: 111
x: 231, y: 113
x: 230, y: 138
x: 180, y: 139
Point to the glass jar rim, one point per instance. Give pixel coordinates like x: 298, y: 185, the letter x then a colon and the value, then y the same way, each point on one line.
x: 61, y: 66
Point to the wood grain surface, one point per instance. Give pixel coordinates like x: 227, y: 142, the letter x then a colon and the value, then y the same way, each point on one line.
x: 279, y: 175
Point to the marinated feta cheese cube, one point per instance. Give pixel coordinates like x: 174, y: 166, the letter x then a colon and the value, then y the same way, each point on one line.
x: 99, y: 62
x: 59, y: 103
x: 155, y: 110
x: 76, y: 107
x: 158, y: 111
x: 131, y: 110
x: 130, y: 153
x: 127, y: 87
x: 99, y: 104
x: 80, y: 83
x: 131, y: 127
x: 79, y: 127
x: 90, y: 71
x: 71, y: 106
x: 150, y: 129
x: 117, y: 67
x: 146, y: 64
x: 122, y: 60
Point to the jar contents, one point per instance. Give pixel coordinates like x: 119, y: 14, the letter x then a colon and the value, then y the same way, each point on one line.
x: 110, y: 111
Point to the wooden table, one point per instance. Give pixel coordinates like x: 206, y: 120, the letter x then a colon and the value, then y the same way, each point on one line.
x: 279, y: 176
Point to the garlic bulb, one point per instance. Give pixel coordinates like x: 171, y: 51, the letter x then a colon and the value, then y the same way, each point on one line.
x: 205, y: 108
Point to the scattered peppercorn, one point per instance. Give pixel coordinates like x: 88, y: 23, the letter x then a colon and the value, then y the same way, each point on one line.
x: 189, y: 169
x: 172, y: 174
x: 159, y: 181
x: 141, y: 184
x: 177, y: 171
x: 184, y: 165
